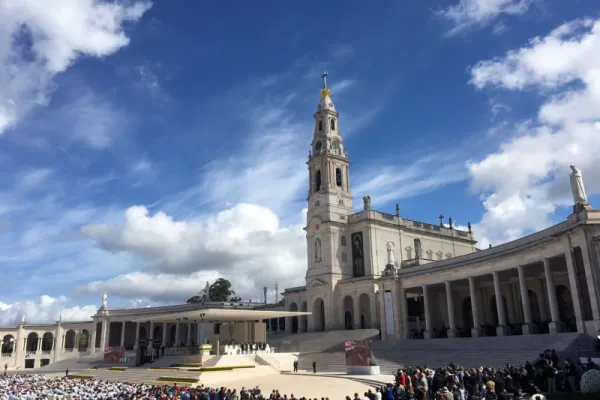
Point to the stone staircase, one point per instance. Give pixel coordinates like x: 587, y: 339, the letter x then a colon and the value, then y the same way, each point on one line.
x: 468, y: 352
x: 318, y: 341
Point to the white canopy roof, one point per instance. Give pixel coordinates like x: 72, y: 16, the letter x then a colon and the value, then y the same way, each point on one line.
x: 220, y: 315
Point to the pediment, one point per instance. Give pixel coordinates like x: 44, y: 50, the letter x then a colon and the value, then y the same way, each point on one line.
x: 316, y: 283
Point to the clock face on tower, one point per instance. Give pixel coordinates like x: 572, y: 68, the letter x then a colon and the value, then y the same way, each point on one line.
x: 318, y: 146
x: 335, y: 145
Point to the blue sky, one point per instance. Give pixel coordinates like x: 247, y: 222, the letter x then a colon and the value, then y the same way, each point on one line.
x: 149, y: 147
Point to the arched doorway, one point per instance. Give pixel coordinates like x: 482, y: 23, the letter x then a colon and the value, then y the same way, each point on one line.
x: 304, y: 319
x: 8, y: 344
x: 32, y: 342
x: 467, y: 312
x: 364, y: 310
x: 565, y: 304
x: 294, y: 308
x: 157, y: 337
x: 534, y: 306
x: 98, y: 334
x: 319, y: 314
x: 47, y: 341
x: 70, y: 339
x: 84, y: 340
x: 348, y: 312
x: 494, y: 310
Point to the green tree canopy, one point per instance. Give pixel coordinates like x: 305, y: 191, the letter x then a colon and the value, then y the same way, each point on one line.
x: 220, y: 290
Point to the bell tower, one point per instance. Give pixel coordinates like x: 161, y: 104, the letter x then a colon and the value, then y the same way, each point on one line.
x: 329, y: 194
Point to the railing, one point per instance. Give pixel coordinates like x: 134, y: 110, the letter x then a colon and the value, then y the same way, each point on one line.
x: 32, y: 352
x: 69, y: 350
x: 6, y: 355
x: 46, y: 351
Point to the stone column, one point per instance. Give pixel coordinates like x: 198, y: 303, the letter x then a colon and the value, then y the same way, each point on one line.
x: 188, y: 342
x: 556, y: 324
x: 137, y: 336
x: 501, y: 328
x: 575, y: 295
x: 450, y: 304
x: 427, y: 334
x: 527, y: 326
x: 356, y: 312
x: 177, y: 334
x: 591, y: 283
x: 475, y: 331
x: 123, y: 325
x: 164, y: 335
x: 151, y: 336
x: 92, y: 343
x: 105, y: 334
x: 403, y: 314
x: 57, y: 352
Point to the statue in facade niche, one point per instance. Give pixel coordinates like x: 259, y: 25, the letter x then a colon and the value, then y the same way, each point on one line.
x: 418, y: 249
x: 579, y: 196
x: 367, y: 202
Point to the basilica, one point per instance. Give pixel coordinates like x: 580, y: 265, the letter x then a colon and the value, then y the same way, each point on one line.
x: 411, y: 279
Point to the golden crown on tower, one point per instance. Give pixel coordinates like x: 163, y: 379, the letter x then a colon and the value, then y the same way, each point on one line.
x: 325, y: 92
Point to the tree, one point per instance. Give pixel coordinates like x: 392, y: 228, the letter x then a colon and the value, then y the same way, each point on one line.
x: 282, y: 302
x: 220, y: 290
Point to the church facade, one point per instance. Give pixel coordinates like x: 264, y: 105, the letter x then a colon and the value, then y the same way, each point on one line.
x: 411, y: 279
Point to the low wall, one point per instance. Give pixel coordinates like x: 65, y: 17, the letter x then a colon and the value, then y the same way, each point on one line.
x: 359, y: 370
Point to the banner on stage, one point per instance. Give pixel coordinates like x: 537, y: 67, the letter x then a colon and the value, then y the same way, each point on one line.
x: 114, y: 355
x: 358, y: 353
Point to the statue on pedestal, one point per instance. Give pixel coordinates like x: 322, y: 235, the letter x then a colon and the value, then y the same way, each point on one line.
x: 104, y: 302
x: 391, y: 265
x: 579, y: 196
x: 367, y: 202
x: 23, y: 320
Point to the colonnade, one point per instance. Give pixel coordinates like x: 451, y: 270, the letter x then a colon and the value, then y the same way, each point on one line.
x: 177, y: 340
x: 580, y: 284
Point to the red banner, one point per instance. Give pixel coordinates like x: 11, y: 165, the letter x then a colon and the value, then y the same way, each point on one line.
x: 358, y: 353
x: 114, y: 355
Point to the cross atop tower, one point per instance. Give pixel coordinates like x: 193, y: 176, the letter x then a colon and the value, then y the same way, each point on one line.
x: 324, y: 76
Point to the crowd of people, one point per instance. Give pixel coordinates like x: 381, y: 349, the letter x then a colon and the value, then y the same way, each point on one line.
x: 454, y: 382
x: 546, y: 375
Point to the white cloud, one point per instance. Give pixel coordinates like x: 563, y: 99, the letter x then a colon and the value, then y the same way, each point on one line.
x: 45, y: 310
x: 473, y: 13
x: 388, y: 182
x: 527, y: 177
x: 40, y: 39
x: 244, y: 244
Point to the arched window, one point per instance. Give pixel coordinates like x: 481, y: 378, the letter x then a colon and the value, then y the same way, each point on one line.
x: 429, y: 255
x: 338, y: 176
x: 341, y: 202
x: 318, y: 249
x: 439, y: 255
x: 317, y: 203
x: 333, y: 124
x: 320, y: 125
x: 343, y: 240
x: 318, y: 180
x: 408, y: 253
